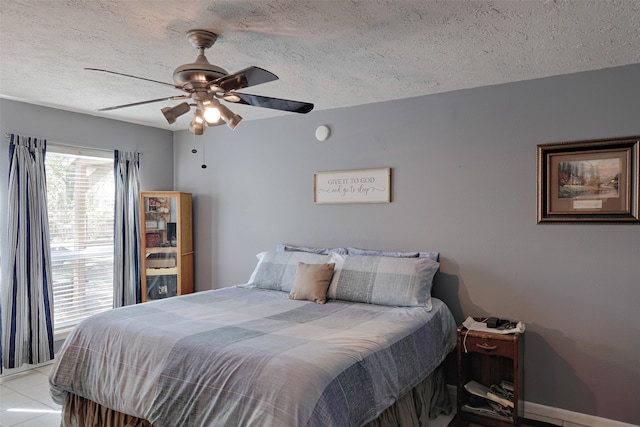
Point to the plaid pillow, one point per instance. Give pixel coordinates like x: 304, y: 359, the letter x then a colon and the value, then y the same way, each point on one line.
x: 404, y: 282
x: 277, y: 270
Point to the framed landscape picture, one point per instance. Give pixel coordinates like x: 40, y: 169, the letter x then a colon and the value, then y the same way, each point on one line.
x: 588, y: 181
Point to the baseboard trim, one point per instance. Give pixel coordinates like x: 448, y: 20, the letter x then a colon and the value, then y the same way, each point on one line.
x: 557, y: 416
x: 8, y: 373
x: 563, y: 417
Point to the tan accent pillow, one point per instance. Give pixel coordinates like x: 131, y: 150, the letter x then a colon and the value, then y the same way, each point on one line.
x: 312, y: 282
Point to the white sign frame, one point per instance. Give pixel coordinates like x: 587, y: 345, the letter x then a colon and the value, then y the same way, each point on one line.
x: 352, y: 186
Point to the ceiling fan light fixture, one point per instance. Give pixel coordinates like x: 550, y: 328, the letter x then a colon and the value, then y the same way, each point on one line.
x: 209, y: 107
x: 211, y: 115
x: 197, y: 123
x: 232, y: 119
x: 172, y: 113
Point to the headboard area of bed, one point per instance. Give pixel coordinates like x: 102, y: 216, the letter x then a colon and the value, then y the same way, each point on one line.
x: 369, y: 276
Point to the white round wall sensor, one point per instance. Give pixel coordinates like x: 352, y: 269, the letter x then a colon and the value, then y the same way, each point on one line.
x: 322, y: 133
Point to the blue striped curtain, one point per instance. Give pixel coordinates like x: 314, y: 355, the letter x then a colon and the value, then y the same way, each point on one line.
x: 126, y: 262
x: 27, y: 297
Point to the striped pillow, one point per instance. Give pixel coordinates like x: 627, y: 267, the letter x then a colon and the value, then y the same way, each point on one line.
x: 404, y: 282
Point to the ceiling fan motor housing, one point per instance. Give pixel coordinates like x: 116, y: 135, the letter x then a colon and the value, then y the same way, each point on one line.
x: 193, y: 76
x: 198, y: 73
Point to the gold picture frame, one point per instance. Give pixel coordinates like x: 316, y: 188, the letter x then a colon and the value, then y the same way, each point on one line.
x: 592, y: 181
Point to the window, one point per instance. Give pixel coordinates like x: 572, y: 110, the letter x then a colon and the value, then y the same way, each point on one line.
x: 80, y: 202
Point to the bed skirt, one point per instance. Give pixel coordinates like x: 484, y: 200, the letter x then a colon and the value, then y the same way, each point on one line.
x: 426, y: 401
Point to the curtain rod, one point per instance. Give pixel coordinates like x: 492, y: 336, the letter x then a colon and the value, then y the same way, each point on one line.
x: 74, y: 146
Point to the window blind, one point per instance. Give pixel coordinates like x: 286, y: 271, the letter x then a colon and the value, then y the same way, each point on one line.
x: 80, y: 202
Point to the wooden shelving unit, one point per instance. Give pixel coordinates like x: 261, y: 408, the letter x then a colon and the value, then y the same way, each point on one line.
x: 167, y: 244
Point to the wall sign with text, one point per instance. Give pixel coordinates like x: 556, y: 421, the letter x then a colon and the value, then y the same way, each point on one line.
x: 353, y: 186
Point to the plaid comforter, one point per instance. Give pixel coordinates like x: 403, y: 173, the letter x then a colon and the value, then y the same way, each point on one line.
x: 243, y: 356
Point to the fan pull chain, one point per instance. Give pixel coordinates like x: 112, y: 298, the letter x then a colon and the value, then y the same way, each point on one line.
x: 194, y: 150
x: 204, y: 163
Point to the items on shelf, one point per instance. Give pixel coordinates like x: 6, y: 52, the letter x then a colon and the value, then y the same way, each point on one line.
x: 161, y: 260
x: 494, y: 400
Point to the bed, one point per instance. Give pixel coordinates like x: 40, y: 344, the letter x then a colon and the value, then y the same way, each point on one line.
x: 312, y: 339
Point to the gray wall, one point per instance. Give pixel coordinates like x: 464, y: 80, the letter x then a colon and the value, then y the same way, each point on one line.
x: 156, y: 145
x: 464, y: 184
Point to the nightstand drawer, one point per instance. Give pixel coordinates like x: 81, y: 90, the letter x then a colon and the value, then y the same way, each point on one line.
x: 475, y: 343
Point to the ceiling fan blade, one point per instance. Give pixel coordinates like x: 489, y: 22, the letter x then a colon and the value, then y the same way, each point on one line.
x: 250, y: 76
x: 133, y: 77
x: 170, y: 98
x: 268, y: 102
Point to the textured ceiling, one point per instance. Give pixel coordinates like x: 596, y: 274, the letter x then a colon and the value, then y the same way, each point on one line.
x: 331, y: 53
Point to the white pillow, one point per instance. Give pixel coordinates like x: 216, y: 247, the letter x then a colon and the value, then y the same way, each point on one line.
x: 255, y: 270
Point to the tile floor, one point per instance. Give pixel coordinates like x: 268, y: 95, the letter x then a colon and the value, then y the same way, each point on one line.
x: 25, y: 401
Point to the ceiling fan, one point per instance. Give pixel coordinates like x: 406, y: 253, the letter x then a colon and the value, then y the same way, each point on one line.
x: 206, y: 84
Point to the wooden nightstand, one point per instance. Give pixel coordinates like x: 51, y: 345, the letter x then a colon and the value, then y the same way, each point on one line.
x: 489, y: 358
